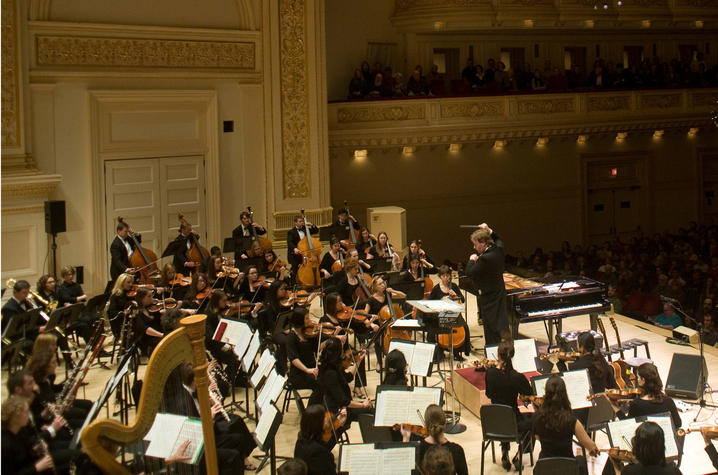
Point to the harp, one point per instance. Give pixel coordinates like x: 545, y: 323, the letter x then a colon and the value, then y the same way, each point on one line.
x: 184, y: 344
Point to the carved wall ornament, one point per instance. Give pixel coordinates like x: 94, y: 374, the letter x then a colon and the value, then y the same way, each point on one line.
x: 10, y: 77
x: 659, y: 101
x: 706, y: 99
x: 471, y: 110
x: 608, y: 103
x: 546, y: 106
x: 143, y: 53
x: 294, y: 99
x: 381, y: 113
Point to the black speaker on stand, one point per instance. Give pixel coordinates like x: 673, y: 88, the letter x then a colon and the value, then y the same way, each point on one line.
x: 54, y: 223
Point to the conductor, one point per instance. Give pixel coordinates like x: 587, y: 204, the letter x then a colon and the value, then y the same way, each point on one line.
x: 486, y: 269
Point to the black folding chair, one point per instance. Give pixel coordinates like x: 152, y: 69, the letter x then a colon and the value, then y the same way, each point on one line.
x: 554, y: 465
x: 498, y: 424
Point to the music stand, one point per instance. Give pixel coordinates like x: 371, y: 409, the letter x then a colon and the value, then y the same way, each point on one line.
x: 244, y: 264
x: 379, y: 265
x: 267, y: 444
x: 327, y: 232
x: 14, y: 335
x: 228, y: 245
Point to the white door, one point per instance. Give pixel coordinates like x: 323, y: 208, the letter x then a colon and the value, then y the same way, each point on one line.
x: 150, y: 192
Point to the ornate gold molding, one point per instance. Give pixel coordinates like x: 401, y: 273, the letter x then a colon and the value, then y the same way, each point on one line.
x: 284, y: 221
x: 608, y: 103
x: 546, y: 106
x: 471, y: 110
x: 378, y: 114
x: 23, y: 209
x: 659, y: 101
x: 29, y: 186
x: 89, y: 51
x: 11, y: 115
x: 296, y: 166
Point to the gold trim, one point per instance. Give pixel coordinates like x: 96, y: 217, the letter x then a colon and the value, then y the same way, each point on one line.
x: 23, y: 210
x: 29, y: 186
x: 11, y: 115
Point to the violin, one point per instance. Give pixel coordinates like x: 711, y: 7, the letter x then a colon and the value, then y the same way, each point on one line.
x: 135, y: 287
x: 531, y: 399
x: 709, y: 431
x: 265, y: 281
x: 485, y: 363
x: 162, y: 304
x: 331, y: 425
x: 620, y: 454
x: 348, y: 358
x: 419, y: 431
x: 327, y: 330
x: 142, y: 259
x: 300, y: 298
x: 229, y: 271
x: 616, y: 395
x: 562, y: 355
x: 196, y: 253
x: 203, y: 294
x: 180, y: 280
x: 243, y: 307
x: 346, y: 313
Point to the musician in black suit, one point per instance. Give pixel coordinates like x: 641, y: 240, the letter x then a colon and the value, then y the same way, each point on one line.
x: 341, y: 225
x: 241, y: 235
x: 294, y: 236
x: 121, y: 249
x: 486, y: 269
x: 184, y: 243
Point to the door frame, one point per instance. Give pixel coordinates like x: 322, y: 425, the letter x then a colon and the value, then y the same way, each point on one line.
x: 198, y: 109
x: 617, y: 158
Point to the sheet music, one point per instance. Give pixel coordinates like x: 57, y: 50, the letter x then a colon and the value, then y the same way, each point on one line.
x: 236, y: 334
x: 271, y: 389
x: 406, y: 323
x: 397, y: 407
x: 622, y: 432
x: 399, y: 460
x: 524, y: 355
x: 265, y: 365
x: 553, y: 288
x: 251, y: 353
x: 667, y: 426
x: 418, y: 355
x: 170, y: 431
x: 578, y: 387
x: 264, y: 424
x: 359, y: 459
x: 405, y: 347
x: 437, y: 306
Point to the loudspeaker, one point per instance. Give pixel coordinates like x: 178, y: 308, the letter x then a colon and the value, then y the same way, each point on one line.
x: 54, y: 217
x: 684, y: 377
x: 80, y: 274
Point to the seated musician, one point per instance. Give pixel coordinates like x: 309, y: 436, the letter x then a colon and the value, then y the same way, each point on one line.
x: 147, y: 326
x: 437, y: 461
x: 435, y: 425
x: 242, y: 234
x: 70, y: 292
x: 347, y: 282
x: 272, y: 307
x: 555, y: 426
x: 222, y: 352
x: 599, y: 371
x: 219, y: 279
x: 198, y: 294
x: 382, y: 250
x: 294, y: 236
x: 649, y: 449
x: 184, y: 244
x: 415, y: 250
x: 365, y: 242
x: 46, y: 290
x: 22, y: 383
x: 354, y: 253
x: 173, y: 285
x: 503, y: 385
x: 301, y: 352
x: 334, y: 254
x: 396, y: 369
x: 214, y: 252
x: 43, y: 365
x: 334, y: 383
x: 310, y: 447
x: 18, y: 304
x: 252, y: 289
x: 652, y: 400
x: 271, y: 263
x: 119, y: 301
x: 448, y: 290
x: 20, y: 452
x: 376, y: 302
x: 332, y: 306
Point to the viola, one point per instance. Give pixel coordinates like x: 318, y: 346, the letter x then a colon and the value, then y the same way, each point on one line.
x: 618, y: 394
x: 242, y: 307
x: 135, y: 287
x: 485, y: 364
x: 531, y: 399
x: 331, y: 425
x: 162, y: 304
x: 265, y: 281
x: 561, y: 355
x: 300, y: 297
x: 348, y: 358
x: 419, y: 431
x: 229, y: 271
x: 203, y: 294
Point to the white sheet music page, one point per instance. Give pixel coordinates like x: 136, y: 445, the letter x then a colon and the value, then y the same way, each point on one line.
x: 670, y: 440
x: 399, y: 460
x: 578, y: 387
x: 422, y: 358
x: 407, y: 348
x: 265, y: 394
x: 251, y: 353
x: 622, y: 432
x: 163, y: 434
x: 269, y: 413
x: 421, y: 398
x: 391, y: 408
x: 524, y: 354
x: 359, y: 459
x: 266, y: 363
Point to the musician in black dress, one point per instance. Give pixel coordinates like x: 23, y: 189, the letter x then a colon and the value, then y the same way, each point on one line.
x: 335, y: 253
x: 486, y: 269
x: 252, y: 288
x: 119, y: 301
x: 347, y: 282
x: 424, y: 260
x: 503, y: 385
x: 20, y: 451
x: 222, y: 352
x: 653, y: 400
x: 242, y: 235
x: 46, y: 289
x: 294, y: 236
x: 301, y: 352
x: 649, y: 449
x: 198, y: 294
x: 599, y: 371
x: 121, y: 250
x: 366, y: 242
x: 310, y: 447
x: 446, y: 289
x: 376, y: 302
x: 396, y: 369
x: 147, y: 325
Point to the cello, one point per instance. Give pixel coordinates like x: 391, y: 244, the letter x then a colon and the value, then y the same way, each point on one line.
x: 196, y: 253
x: 353, y: 232
x: 142, y: 259
x: 264, y: 243
x: 310, y: 249
x: 392, y: 311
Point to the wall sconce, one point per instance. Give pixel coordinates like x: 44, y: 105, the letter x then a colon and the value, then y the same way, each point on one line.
x: 529, y: 23
x: 499, y: 144
x: 693, y: 131
x: 455, y: 147
x: 589, y: 23
x: 645, y: 23
x: 621, y: 136
x: 658, y: 134
x: 439, y: 25
x: 408, y: 150
x: 542, y: 141
x: 360, y: 154
x: 582, y: 139
x: 699, y: 23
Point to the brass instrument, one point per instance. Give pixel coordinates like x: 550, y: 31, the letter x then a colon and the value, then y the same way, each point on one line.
x: 50, y: 306
x: 184, y: 344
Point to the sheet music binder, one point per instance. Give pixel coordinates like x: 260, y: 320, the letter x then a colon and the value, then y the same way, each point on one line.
x: 251, y: 354
x: 63, y: 315
x: 274, y: 420
x: 412, y: 370
x: 346, y: 449
x: 28, y: 319
x: 411, y: 414
x: 240, y: 342
x: 616, y: 441
x: 538, y: 383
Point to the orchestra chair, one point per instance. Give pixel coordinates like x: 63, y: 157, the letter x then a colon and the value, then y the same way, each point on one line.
x: 371, y: 433
x: 290, y: 392
x: 498, y: 424
x: 553, y: 465
x: 599, y: 415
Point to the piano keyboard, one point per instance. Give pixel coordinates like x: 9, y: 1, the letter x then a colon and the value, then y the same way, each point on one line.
x: 562, y: 310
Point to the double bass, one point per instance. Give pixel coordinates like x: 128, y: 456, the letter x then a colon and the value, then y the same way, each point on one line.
x: 353, y: 232
x: 142, y: 259
x: 196, y: 253
x: 264, y: 243
x: 310, y: 249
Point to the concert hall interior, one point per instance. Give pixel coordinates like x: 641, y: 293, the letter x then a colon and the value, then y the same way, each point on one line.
x: 533, y: 169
